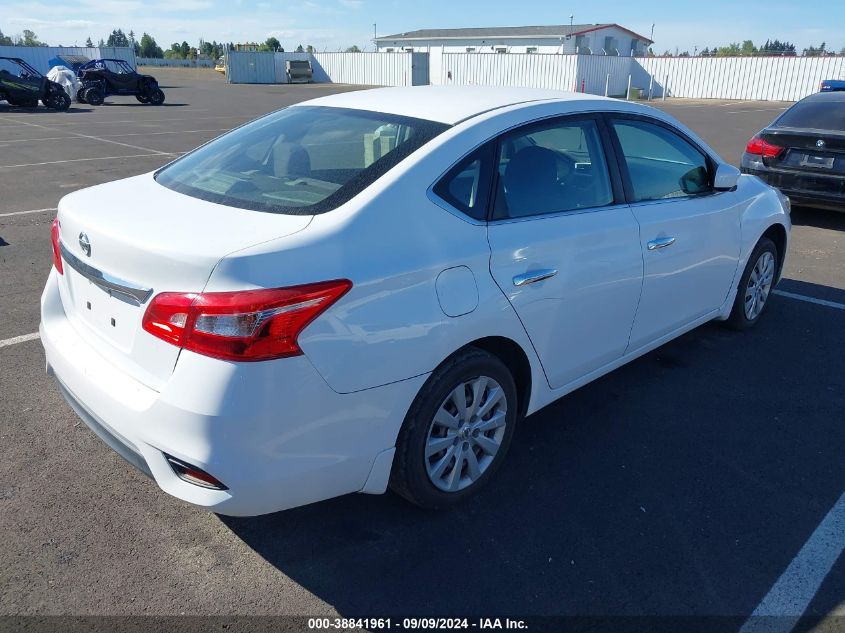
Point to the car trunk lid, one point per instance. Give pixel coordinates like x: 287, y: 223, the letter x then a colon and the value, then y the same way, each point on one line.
x: 124, y: 242
x: 819, y: 152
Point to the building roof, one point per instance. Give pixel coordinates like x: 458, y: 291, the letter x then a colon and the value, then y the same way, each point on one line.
x: 555, y: 30
x: 446, y: 104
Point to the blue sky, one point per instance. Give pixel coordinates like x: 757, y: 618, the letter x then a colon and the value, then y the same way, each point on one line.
x: 330, y: 24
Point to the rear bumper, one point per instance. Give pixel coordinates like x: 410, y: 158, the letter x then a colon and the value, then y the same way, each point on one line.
x: 274, y: 433
x: 812, y: 190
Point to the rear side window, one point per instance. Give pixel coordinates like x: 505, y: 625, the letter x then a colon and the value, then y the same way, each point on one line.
x: 661, y: 164
x: 816, y: 113
x: 467, y: 185
x: 549, y: 168
x: 302, y: 160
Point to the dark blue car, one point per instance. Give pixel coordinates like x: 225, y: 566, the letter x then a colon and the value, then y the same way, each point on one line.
x: 832, y: 85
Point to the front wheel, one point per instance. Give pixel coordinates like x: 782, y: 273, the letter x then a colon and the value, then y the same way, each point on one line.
x: 457, y: 431
x: 94, y: 96
x: 59, y: 101
x: 755, y: 285
x: 156, y: 96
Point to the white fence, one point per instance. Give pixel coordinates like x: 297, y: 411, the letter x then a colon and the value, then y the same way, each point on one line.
x: 366, y: 69
x: 751, y: 78
x: 748, y: 78
x: 41, y: 57
x: 558, y: 72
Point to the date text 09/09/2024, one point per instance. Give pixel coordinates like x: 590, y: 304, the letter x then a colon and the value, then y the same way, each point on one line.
x: 387, y: 624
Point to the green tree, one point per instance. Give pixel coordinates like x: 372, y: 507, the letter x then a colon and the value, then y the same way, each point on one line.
x: 272, y: 44
x: 729, y: 51
x: 89, y: 43
x: 812, y: 51
x: 748, y: 48
x: 30, y: 39
x: 299, y: 49
x: 149, y: 48
x: 5, y: 40
x: 310, y: 49
x: 117, y: 38
x: 353, y: 49
x: 185, y: 49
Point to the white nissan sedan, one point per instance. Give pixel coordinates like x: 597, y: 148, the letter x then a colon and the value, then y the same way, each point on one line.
x: 372, y: 289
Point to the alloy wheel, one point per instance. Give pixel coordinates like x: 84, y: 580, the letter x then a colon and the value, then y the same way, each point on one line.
x: 466, y: 434
x: 759, y: 285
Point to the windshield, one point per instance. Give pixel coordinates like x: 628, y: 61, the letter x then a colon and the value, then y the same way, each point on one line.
x: 300, y: 160
x: 18, y: 68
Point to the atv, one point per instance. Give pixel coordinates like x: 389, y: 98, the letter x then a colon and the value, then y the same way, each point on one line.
x: 104, y: 77
x: 24, y: 86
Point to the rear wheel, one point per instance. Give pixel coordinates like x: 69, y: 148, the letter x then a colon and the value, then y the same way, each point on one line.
x: 156, y: 96
x: 80, y: 95
x: 457, y: 431
x: 755, y: 285
x: 142, y: 98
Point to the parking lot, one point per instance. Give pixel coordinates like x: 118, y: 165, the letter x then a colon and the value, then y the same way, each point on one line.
x: 684, y: 483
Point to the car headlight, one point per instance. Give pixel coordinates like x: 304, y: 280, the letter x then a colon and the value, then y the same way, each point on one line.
x: 785, y: 201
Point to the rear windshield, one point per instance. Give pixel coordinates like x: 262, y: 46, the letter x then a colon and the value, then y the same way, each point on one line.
x: 816, y: 113
x: 302, y: 160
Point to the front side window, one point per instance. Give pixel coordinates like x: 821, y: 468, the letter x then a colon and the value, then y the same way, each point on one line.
x: 301, y: 161
x: 554, y: 167
x: 660, y: 163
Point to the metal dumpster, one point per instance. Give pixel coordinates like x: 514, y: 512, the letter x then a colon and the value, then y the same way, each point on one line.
x: 299, y: 72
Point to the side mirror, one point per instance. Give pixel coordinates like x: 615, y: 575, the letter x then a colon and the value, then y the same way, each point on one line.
x: 727, y: 177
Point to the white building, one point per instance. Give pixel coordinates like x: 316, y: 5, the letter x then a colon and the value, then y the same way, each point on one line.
x: 595, y: 39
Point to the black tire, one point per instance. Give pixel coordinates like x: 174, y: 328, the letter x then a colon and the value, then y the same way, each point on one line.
x: 94, y: 96
x: 80, y: 95
x: 742, y: 318
x: 59, y: 101
x: 142, y: 98
x: 410, y: 474
x: 156, y: 96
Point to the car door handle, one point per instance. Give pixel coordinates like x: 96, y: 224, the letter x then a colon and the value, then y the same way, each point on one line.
x: 660, y: 242
x: 534, y: 276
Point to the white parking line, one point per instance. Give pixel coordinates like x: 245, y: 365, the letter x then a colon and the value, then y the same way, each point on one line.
x: 104, y: 136
x: 790, y: 596
x: 821, y: 302
x: 79, y: 160
x: 5, y: 215
x: 80, y: 123
x: 755, y: 110
x: 95, y: 138
x: 19, y: 339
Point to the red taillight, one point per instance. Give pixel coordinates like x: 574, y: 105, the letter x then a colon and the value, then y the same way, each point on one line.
x: 57, y: 251
x: 194, y: 475
x: 759, y: 147
x: 250, y: 325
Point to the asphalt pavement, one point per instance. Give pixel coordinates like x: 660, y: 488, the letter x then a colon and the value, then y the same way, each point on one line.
x: 683, y: 484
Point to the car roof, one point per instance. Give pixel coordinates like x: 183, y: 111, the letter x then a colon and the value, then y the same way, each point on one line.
x: 445, y: 104
x: 833, y: 96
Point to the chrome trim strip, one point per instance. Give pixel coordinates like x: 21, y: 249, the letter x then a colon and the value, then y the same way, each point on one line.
x: 125, y: 290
